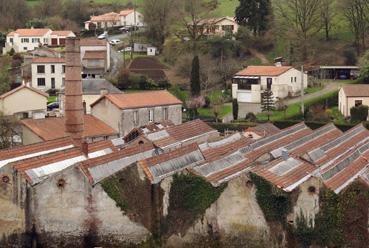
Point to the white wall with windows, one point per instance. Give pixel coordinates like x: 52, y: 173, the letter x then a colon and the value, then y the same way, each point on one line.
x: 47, y: 76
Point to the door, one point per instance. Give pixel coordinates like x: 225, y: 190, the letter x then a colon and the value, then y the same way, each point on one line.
x: 54, y: 42
x: 269, y: 83
x: 61, y: 42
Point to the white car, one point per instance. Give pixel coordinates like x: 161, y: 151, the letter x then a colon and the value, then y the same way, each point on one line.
x: 103, y: 35
x: 114, y: 42
x: 126, y: 49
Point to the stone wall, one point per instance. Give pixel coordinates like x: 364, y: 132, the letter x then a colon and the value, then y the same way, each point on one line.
x: 67, y: 211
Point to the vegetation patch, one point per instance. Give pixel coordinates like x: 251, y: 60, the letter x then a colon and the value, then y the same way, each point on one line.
x: 274, y: 203
x: 189, y: 198
x: 113, y: 188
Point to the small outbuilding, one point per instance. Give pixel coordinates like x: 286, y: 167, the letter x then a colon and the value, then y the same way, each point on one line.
x: 352, y: 95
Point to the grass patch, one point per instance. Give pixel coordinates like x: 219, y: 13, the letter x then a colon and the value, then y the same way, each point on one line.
x: 294, y: 110
x: 225, y: 110
x: 311, y: 90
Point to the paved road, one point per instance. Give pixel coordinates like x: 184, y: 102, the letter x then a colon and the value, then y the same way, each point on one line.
x: 329, y: 87
x: 115, y: 56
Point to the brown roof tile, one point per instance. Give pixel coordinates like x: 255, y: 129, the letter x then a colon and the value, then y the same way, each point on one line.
x: 126, y: 12
x: 32, y: 31
x: 24, y: 87
x: 358, y: 90
x: 34, y: 148
x: 95, y: 55
x: 141, y: 99
x: 263, y: 70
x: 48, y: 60
x: 92, y: 42
x: 54, y: 128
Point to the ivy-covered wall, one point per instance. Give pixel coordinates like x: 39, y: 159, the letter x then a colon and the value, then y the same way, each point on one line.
x: 189, y: 198
x: 132, y: 195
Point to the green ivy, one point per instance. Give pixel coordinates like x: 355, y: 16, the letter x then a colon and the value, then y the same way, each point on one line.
x: 112, y: 187
x: 274, y: 203
x: 193, y: 193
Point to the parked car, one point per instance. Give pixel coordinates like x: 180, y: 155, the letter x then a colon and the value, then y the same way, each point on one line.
x: 103, y: 35
x: 124, y: 29
x: 52, y: 106
x: 126, y: 49
x: 114, y: 41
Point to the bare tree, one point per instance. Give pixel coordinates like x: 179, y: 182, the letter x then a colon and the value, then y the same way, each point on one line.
x: 48, y: 8
x: 356, y: 13
x: 7, y: 131
x: 302, y: 18
x: 14, y: 14
x: 159, y: 16
x: 194, y: 18
x: 328, y: 13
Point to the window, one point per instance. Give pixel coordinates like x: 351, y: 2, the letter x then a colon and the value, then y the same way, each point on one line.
x: 358, y: 103
x: 63, y: 82
x: 40, y: 69
x: 135, y: 118
x: 11, y: 40
x: 52, y: 68
x: 291, y: 79
x: 35, y: 40
x: 52, y: 83
x: 295, y: 79
x: 165, y: 113
x: 41, y: 82
x: 63, y: 69
x: 24, y: 40
x: 269, y: 83
x: 151, y: 115
x: 45, y: 40
x: 25, y: 48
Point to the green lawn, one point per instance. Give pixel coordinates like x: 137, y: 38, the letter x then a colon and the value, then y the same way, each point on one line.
x: 311, y: 90
x: 225, y: 110
x: 294, y: 110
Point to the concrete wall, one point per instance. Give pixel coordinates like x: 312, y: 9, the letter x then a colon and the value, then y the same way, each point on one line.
x: 133, y: 19
x: 79, y: 214
x: 236, y: 213
x: 24, y: 100
x: 29, y: 137
x: 307, y: 202
x: 108, y: 113
x: 12, y: 204
x: 59, y: 75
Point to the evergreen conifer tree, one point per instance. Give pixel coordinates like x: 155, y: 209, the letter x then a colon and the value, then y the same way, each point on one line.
x: 195, y: 77
x: 267, y: 102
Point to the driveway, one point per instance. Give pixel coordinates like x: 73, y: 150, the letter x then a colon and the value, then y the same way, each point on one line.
x: 329, y: 87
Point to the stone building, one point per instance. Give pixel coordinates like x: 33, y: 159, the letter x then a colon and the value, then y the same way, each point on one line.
x: 123, y: 112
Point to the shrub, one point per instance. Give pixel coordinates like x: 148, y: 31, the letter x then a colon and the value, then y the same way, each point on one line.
x: 359, y: 113
x: 251, y: 117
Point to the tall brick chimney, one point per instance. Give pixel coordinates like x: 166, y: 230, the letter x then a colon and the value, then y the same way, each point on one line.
x: 73, y: 92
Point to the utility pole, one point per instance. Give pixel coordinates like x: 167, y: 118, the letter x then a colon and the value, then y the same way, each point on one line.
x: 302, y: 92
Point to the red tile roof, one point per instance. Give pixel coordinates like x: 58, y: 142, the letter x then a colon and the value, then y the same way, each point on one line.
x: 263, y: 70
x: 92, y: 42
x: 54, y: 128
x: 356, y: 90
x: 141, y: 99
x: 126, y: 12
x: 146, y: 163
x: 39, y: 60
x: 302, y: 170
x: 125, y: 152
x: 95, y: 55
x: 34, y: 148
x: 112, y: 16
x: 254, y: 154
x: 24, y: 86
x: 62, y: 32
x: 31, y: 31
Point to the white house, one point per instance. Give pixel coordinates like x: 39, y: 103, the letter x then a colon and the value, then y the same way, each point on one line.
x: 95, y: 57
x: 126, y: 17
x: 352, y: 95
x: 23, y: 40
x: 283, y: 81
x: 219, y: 26
x: 24, y: 102
x: 48, y: 73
